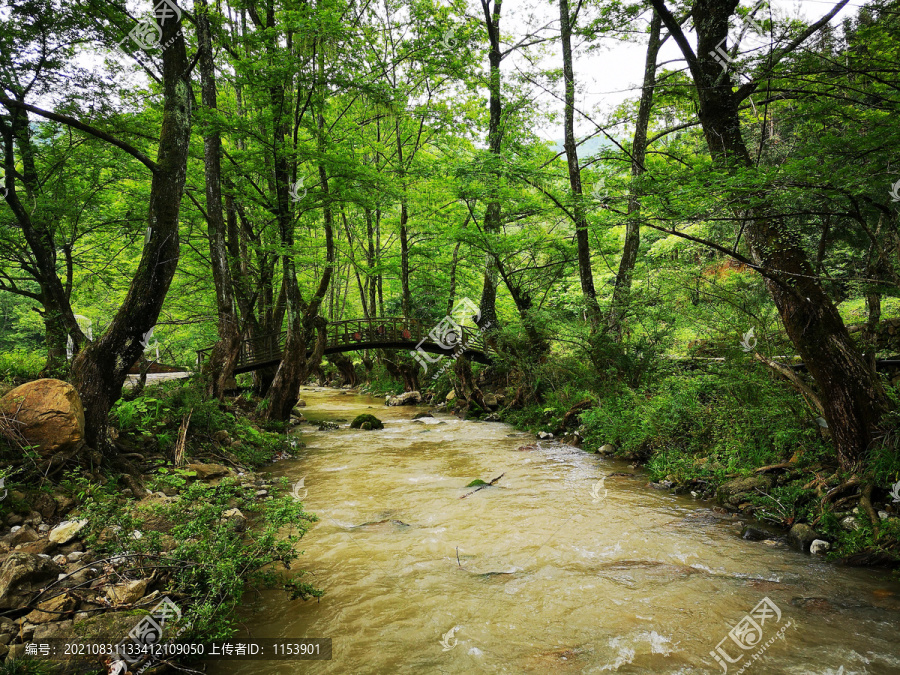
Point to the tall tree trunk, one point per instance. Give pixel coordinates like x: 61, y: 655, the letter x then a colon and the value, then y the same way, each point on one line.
x: 370, y: 262
x: 850, y: 390
x: 380, y: 277
x: 99, y: 371
x: 585, y: 272
x: 406, y: 295
x: 225, y: 353
x: 306, y: 330
x: 451, y: 294
x: 59, y: 319
x: 492, y: 215
x: 622, y: 290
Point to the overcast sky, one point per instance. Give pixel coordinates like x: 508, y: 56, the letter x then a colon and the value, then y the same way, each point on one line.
x: 607, y: 78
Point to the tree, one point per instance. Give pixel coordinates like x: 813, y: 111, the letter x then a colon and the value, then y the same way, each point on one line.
x: 851, y: 392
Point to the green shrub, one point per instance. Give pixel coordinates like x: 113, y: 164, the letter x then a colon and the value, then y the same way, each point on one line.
x: 213, y: 562
x: 19, y: 366
x: 160, y: 410
x: 733, y: 417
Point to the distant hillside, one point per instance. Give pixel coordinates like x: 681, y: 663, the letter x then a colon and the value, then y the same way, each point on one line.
x: 589, y: 148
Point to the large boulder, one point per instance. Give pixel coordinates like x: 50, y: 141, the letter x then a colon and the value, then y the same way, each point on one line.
x: 21, y: 575
x: 127, y: 593
x: 48, y: 414
x: 207, y: 471
x: 366, y: 422
x: 409, y: 398
x: 802, y: 536
x: 738, y: 490
x: 66, y: 531
x: 56, y: 608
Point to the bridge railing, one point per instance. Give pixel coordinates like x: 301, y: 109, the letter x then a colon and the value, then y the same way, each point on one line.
x: 259, y: 349
x: 269, y: 348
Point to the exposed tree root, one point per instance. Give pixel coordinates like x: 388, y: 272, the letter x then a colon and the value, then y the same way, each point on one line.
x: 866, y: 502
x: 843, y: 487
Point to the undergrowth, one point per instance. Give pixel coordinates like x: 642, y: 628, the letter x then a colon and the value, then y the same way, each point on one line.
x: 199, y: 547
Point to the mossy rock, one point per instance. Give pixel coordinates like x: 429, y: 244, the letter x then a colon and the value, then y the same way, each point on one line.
x: 365, y: 418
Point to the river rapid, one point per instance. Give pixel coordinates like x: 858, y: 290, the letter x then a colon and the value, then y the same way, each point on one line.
x: 564, y: 566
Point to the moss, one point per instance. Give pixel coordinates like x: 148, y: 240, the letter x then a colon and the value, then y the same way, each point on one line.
x: 373, y: 421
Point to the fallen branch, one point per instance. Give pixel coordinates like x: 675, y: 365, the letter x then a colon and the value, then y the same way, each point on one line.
x: 481, y: 487
x: 775, y: 467
x: 795, y: 380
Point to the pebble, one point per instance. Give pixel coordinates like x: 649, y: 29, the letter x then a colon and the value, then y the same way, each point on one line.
x: 262, y: 493
x: 60, y: 559
x: 819, y: 546
x: 16, y: 528
x: 849, y: 523
x: 75, y: 556
x: 43, y: 527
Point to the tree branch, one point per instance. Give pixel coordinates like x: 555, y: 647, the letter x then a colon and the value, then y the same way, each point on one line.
x: 81, y: 126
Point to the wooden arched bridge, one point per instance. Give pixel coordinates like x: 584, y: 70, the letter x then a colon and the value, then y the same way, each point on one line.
x: 358, y: 334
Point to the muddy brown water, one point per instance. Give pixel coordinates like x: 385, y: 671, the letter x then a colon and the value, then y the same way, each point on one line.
x: 559, y: 568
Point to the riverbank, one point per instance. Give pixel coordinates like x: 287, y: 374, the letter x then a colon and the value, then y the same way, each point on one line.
x: 730, y: 434
x: 185, y: 512
x: 568, y: 563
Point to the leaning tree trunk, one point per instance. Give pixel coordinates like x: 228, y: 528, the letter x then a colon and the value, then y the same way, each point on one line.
x: 59, y: 319
x: 850, y: 390
x: 99, y: 371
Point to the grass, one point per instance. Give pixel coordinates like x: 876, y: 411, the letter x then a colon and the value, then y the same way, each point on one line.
x: 18, y: 367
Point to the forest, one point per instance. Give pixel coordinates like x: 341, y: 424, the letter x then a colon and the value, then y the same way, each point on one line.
x: 219, y: 216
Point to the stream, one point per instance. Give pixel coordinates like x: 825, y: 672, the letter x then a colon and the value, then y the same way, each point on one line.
x: 563, y: 566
